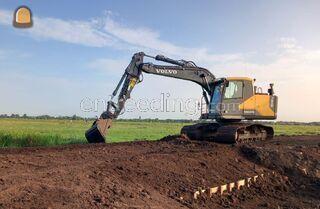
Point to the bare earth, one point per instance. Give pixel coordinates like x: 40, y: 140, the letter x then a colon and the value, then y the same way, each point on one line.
x: 161, y: 174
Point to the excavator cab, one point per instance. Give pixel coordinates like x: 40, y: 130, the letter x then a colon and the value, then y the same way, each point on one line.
x: 235, y: 102
x: 236, y: 98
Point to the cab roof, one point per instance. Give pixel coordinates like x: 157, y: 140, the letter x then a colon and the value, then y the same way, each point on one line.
x: 239, y: 78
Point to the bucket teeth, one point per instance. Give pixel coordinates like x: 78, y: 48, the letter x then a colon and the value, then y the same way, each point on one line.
x: 98, y: 131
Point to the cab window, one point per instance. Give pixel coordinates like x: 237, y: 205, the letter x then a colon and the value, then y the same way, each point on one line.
x: 234, y: 90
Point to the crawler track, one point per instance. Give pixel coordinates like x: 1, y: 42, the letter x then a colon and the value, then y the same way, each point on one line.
x: 228, y: 133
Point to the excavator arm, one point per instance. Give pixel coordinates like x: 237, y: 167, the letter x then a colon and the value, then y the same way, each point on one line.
x: 180, y: 69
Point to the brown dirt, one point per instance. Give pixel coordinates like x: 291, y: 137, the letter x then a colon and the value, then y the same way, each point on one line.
x: 161, y: 174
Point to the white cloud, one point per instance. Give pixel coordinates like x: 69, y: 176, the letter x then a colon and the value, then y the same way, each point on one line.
x: 77, y: 32
x: 106, y: 32
x: 150, y: 41
x: 139, y: 36
x: 86, y: 33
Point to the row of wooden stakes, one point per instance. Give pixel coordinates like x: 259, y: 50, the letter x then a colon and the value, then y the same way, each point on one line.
x: 227, y: 188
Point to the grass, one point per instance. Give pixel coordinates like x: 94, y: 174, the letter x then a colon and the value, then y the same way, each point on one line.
x: 29, y: 132
x: 290, y: 130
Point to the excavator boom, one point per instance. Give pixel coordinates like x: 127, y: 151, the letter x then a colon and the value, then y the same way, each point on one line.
x: 179, y: 69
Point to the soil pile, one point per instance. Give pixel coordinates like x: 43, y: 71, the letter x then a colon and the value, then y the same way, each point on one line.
x: 160, y: 174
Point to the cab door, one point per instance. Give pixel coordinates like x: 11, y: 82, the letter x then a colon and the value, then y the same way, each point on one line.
x: 215, y: 103
x: 249, y: 100
x: 232, y: 98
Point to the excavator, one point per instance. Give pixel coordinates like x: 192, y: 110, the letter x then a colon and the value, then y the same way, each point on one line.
x: 232, y: 103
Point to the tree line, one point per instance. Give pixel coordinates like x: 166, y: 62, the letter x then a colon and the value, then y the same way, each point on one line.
x: 45, y: 117
x: 76, y: 117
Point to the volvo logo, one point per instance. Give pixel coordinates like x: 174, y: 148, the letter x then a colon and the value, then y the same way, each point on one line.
x: 166, y: 71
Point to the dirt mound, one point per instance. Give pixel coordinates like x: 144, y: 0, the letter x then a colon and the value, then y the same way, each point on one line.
x: 295, y: 157
x: 160, y: 174
x: 289, y: 156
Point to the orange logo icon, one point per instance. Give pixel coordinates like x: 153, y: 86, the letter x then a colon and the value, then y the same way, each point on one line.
x: 22, y: 17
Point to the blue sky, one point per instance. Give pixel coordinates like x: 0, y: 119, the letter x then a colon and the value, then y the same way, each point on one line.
x: 79, y: 49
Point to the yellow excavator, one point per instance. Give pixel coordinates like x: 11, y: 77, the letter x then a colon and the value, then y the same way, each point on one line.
x: 232, y: 103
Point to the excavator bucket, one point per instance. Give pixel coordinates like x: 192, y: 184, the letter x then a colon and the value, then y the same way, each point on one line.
x: 98, y: 131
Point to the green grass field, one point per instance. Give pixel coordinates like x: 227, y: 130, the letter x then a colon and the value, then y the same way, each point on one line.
x: 29, y: 132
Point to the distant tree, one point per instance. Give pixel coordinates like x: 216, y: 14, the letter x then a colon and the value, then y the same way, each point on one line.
x: 15, y: 116
x: 4, y: 116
